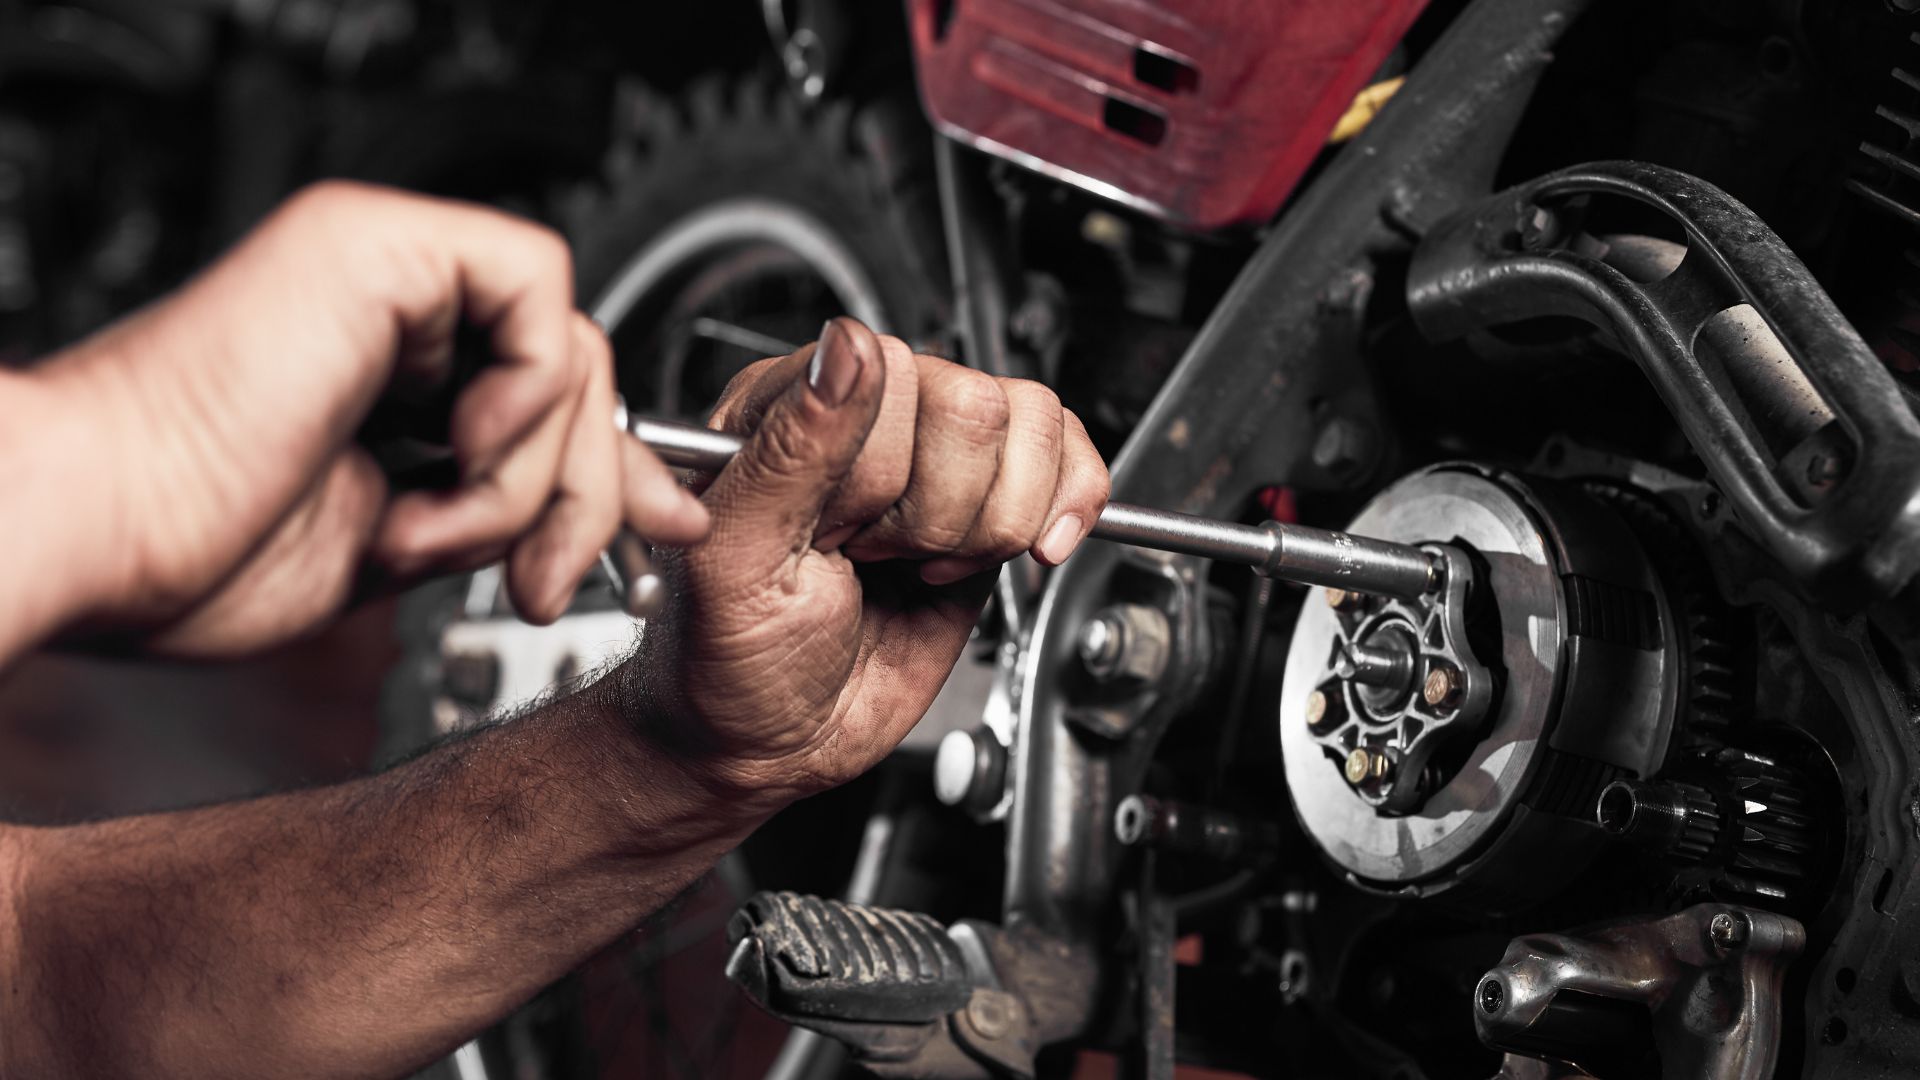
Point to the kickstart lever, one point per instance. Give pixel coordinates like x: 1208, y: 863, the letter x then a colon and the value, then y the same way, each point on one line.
x: 1298, y: 553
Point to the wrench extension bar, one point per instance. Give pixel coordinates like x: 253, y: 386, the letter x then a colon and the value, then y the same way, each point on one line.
x: 1298, y: 553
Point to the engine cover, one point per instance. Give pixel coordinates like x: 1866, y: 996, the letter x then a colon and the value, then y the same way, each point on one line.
x: 1205, y: 112
x: 1573, y: 627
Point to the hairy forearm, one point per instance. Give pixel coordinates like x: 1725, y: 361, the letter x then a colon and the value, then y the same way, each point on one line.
x: 356, y: 930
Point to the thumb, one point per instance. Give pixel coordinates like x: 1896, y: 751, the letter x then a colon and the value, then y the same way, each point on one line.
x: 767, y: 502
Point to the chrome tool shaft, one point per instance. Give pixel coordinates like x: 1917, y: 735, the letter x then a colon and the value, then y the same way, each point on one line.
x: 1289, y: 552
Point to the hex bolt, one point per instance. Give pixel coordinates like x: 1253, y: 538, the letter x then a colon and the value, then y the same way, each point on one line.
x: 1324, y: 711
x: 1364, y: 764
x: 1729, y: 930
x: 1099, y: 642
x: 1443, y: 687
x: 1126, y: 641
x: 1342, y: 445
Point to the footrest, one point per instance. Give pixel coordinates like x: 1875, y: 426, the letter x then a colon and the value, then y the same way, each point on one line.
x: 805, y: 956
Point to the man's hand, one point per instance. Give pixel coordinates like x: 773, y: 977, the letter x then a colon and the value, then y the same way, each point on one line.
x: 236, y: 509
x: 853, y: 547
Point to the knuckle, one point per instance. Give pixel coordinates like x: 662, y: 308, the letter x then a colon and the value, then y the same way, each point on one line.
x: 975, y: 399
x: 1036, y: 396
x: 1098, y: 484
x: 785, y: 444
x: 326, y: 197
x: 547, y: 247
x: 1009, y: 534
x: 925, y: 531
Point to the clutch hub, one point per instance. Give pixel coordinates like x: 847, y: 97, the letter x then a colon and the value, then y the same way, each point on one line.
x: 1460, y: 739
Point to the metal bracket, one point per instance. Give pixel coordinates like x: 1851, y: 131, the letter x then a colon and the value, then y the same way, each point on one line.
x: 1708, y: 979
x: 1852, y: 537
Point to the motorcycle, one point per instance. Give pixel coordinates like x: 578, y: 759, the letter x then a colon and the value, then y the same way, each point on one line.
x: 1602, y: 309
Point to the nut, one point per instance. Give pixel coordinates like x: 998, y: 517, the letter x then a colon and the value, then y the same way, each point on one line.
x: 1442, y: 688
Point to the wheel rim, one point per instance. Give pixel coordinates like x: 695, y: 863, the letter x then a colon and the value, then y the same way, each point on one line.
x: 687, y: 287
x: 659, y: 309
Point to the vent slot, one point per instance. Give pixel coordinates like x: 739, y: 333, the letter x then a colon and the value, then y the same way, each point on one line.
x: 1136, y: 123
x: 1155, y: 67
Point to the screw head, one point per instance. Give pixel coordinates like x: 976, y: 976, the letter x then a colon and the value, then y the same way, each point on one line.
x: 1442, y: 687
x: 1729, y: 930
x: 1492, y: 996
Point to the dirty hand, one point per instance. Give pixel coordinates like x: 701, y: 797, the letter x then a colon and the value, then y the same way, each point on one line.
x: 241, y: 511
x: 853, y: 546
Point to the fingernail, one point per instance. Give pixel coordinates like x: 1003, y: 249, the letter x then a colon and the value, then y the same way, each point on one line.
x: 835, y: 366
x: 947, y: 571
x: 1060, y: 540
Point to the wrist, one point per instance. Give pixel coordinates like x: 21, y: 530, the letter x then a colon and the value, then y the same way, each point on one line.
x: 60, y: 469
x: 642, y: 739
x: 643, y: 699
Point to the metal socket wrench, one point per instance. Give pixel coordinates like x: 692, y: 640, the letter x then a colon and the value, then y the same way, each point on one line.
x: 1288, y: 552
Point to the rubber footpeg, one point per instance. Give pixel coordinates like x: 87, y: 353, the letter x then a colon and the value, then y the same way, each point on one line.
x: 807, y: 956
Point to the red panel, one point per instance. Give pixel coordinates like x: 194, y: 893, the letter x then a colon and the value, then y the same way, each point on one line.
x: 1213, y: 126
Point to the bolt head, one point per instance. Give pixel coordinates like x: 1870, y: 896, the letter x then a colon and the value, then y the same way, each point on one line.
x: 1316, y: 708
x: 1359, y: 765
x: 989, y: 1013
x: 1345, y: 599
x: 1442, y: 687
x: 1342, y: 445
x: 1129, y: 642
x: 1729, y: 930
x: 1099, y: 640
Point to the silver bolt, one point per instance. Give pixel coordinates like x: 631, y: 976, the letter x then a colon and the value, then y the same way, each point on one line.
x: 1099, y: 642
x: 1729, y: 930
x: 1126, y: 641
x: 1342, y: 445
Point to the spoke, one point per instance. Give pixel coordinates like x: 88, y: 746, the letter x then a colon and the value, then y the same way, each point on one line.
x: 751, y: 340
